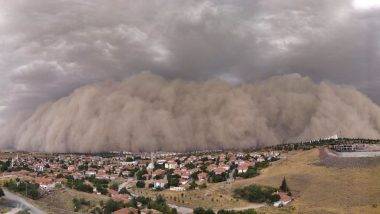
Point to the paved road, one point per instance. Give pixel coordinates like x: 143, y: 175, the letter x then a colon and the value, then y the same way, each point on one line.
x: 24, y: 204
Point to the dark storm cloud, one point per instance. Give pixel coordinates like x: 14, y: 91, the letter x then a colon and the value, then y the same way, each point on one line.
x: 50, y: 48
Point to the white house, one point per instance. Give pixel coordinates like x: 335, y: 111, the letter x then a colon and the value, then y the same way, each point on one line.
x: 284, y: 200
x: 160, y: 183
x: 178, y: 189
x: 90, y: 173
x: 171, y: 165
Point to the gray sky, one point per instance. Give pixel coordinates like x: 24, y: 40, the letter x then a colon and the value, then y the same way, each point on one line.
x: 49, y: 48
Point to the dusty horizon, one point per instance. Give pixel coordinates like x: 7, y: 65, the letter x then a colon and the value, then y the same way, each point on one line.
x: 147, y: 113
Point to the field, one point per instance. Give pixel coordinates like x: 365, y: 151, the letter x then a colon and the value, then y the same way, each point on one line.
x: 318, y: 188
x: 60, y: 201
x: 326, y: 188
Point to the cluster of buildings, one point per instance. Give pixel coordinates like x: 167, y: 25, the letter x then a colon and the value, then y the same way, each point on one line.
x: 172, y: 171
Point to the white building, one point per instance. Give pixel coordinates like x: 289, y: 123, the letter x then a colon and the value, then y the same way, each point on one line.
x: 171, y: 165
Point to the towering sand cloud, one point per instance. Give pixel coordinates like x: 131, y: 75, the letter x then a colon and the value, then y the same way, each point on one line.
x: 147, y: 113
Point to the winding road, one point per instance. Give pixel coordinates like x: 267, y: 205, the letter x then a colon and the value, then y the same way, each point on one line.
x: 23, y: 203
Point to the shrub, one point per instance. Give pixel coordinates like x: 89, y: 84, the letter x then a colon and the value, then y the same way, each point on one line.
x: 140, y: 184
x: 257, y: 194
x: 124, y: 191
x: 78, y: 203
x: 112, y: 206
x: 200, y: 210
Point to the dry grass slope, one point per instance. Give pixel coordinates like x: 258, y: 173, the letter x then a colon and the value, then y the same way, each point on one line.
x: 324, y: 189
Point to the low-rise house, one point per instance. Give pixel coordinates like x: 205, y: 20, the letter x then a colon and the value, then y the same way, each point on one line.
x: 202, y: 176
x: 158, y: 172
x: 225, y: 166
x: 46, y: 184
x: 78, y: 175
x: 183, y: 181
x: 150, y: 166
x: 90, y: 173
x: 219, y: 170
x: 161, y: 162
x: 130, y: 163
x: 171, y: 165
x: 71, y: 168
x: 101, y: 175
x: 178, y: 189
x: 284, y: 200
x: 160, y: 183
x: 242, y: 168
x: 39, y: 167
x: 260, y: 159
x: 211, y: 167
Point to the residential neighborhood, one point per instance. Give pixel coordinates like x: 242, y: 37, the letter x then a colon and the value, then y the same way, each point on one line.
x: 154, y: 170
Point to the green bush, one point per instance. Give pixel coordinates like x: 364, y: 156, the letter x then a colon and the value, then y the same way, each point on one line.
x: 112, y: 206
x: 201, y: 210
x: 78, y: 203
x: 140, y: 184
x: 249, y: 211
x: 257, y: 194
x: 30, y: 190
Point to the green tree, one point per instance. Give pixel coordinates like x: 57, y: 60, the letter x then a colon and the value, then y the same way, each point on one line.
x: 132, y: 203
x: 140, y: 184
x: 114, y: 186
x: 284, y: 186
x: 124, y: 191
x: 112, y: 206
x: 201, y: 210
x: 1, y: 192
x: 257, y: 193
x: 193, y: 185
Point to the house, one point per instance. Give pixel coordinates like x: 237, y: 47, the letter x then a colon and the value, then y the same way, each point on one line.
x: 129, y: 163
x: 150, y: 166
x: 39, y: 168
x: 171, y: 165
x: 102, y: 175
x: 219, y: 170
x: 90, y: 173
x: 161, y: 162
x: 183, y: 181
x: 158, y: 172
x: 46, y: 184
x: 78, y: 175
x: 284, y: 200
x: 160, y: 184
x: 260, y: 159
x: 177, y: 189
x: 71, y: 168
x: 242, y: 168
x: 202, y: 176
x: 225, y: 166
x: 211, y: 167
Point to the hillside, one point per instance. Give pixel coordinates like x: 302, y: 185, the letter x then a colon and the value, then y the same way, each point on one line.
x: 323, y: 189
